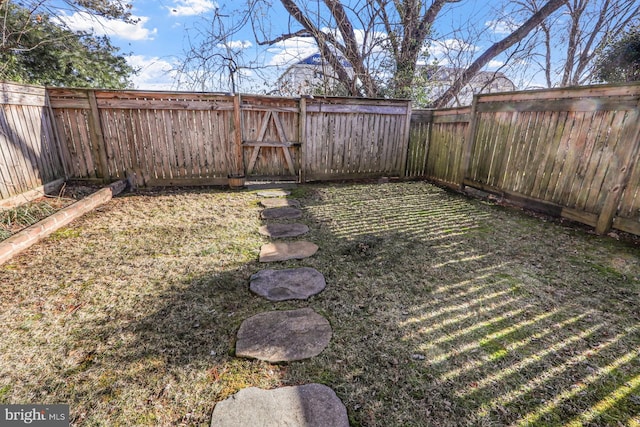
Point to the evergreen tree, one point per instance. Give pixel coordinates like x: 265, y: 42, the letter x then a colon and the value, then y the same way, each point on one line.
x: 36, y: 49
x: 620, y: 61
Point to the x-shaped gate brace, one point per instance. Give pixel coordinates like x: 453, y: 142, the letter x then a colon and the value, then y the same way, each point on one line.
x: 282, y: 143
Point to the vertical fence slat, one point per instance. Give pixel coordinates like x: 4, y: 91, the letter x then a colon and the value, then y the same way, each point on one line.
x: 623, y: 164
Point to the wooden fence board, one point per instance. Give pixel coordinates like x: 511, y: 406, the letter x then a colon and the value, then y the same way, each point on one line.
x: 623, y: 165
x: 10, y: 184
x: 22, y: 161
x: 358, y: 136
x: 568, y: 152
x: 586, y: 157
x: 630, y: 202
x: 29, y: 156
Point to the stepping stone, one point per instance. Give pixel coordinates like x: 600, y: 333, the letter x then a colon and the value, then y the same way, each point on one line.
x: 273, y: 193
x: 282, y: 251
x: 279, y: 203
x: 280, y: 230
x: 291, y: 283
x: 281, y: 213
x: 283, y: 336
x: 309, y: 405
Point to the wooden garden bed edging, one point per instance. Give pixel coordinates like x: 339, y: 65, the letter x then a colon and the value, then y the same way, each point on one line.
x: 33, y: 234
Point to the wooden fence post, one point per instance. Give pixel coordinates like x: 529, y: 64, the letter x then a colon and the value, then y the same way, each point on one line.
x: 238, y: 166
x: 467, y: 149
x: 97, y: 137
x: 624, y: 163
x: 302, y: 135
x: 407, y: 139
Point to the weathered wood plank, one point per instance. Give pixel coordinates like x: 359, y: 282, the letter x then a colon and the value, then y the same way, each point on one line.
x: 540, y: 150
x: 576, y: 105
x: 576, y: 148
x: 276, y: 144
x: 11, y: 183
x: 187, y: 182
x: 29, y: 145
x: 630, y: 202
x: 613, y: 90
x: 623, y: 165
x: 555, y: 175
x: 545, y: 167
x: 627, y: 225
x: 177, y: 105
x: 507, y: 144
x: 587, y: 162
x: 24, y: 160
x: 347, y: 109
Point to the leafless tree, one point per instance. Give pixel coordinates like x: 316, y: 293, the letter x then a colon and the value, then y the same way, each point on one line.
x: 571, y: 42
x: 383, y: 41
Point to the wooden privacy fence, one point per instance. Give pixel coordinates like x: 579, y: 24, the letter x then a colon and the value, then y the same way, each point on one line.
x: 187, y: 138
x: 572, y: 152
x: 29, y: 157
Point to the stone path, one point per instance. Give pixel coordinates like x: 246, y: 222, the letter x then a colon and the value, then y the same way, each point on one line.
x: 273, y: 193
x: 279, y: 202
x: 283, y: 335
x: 283, y: 251
x: 311, y: 405
x: 280, y: 230
x: 282, y: 285
x: 285, y: 212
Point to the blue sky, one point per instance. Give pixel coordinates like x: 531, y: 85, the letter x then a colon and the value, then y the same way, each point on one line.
x: 157, y: 43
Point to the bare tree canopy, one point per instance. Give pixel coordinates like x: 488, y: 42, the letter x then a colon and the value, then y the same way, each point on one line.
x: 499, y: 47
x: 382, y: 48
x: 570, y: 44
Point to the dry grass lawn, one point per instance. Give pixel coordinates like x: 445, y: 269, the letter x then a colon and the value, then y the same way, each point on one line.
x: 446, y: 311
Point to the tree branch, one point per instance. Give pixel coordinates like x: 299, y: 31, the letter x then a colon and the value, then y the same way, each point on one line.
x: 496, y: 49
x: 283, y: 37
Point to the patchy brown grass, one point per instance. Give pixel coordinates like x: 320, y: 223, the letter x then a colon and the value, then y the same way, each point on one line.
x: 446, y: 311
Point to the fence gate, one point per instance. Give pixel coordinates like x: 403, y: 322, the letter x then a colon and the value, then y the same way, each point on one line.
x: 271, y: 138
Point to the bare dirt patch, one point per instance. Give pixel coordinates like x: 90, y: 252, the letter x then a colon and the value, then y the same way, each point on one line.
x: 445, y: 311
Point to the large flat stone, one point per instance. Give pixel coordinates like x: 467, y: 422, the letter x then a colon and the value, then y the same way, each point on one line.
x: 309, y: 405
x: 279, y: 203
x: 283, y: 336
x: 282, y: 251
x: 285, y: 212
x: 273, y: 193
x: 290, y: 283
x: 279, y: 230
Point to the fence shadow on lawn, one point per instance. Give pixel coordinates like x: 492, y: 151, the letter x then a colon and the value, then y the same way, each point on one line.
x: 474, y: 315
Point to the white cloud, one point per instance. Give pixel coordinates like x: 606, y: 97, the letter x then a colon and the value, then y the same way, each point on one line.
x: 503, y: 26
x: 442, y: 48
x: 290, y: 51
x: 236, y: 44
x: 495, y: 64
x: 82, y: 21
x: 293, y: 50
x: 191, y: 7
x: 154, y: 73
